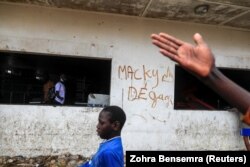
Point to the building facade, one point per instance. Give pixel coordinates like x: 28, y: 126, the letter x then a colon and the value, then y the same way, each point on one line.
x: 142, y: 82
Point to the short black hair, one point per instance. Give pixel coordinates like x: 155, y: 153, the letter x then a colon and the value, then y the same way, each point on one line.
x: 116, y: 114
x: 63, y: 77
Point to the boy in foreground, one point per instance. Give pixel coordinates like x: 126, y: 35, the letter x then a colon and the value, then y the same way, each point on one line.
x: 110, y: 153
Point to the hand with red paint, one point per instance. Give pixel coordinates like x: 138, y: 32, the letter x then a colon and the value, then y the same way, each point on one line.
x: 197, y: 59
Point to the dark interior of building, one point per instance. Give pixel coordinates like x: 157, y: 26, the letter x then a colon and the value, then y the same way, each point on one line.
x: 190, y: 93
x: 23, y: 75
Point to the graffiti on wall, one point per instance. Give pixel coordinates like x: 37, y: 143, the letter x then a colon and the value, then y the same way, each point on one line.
x: 149, y: 80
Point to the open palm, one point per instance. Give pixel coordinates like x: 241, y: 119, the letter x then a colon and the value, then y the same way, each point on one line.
x: 197, y: 59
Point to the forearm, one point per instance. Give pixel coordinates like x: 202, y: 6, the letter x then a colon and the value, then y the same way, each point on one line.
x: 227, y: 89
x: 58, y: 96
x: 246, y: 141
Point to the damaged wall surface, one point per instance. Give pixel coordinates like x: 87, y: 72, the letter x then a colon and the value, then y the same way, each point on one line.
x: 38, y: 130
x: 227, y: 13
x: 142, y: 83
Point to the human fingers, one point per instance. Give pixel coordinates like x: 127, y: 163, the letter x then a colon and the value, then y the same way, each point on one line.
x: 165, y: 40
x: 162, y: 45
x: 198, y: 39
x: 170, y: 55
x: 171, y: 39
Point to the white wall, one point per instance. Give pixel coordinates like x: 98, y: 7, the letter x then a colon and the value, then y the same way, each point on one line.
x: 43, y: 130
x: 152, y: 123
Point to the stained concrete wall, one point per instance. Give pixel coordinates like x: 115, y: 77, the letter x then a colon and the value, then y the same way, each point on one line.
x: 39, y: 130
x: 142, y: 82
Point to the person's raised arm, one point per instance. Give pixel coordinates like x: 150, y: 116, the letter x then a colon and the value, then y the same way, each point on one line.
x: 199, y: 60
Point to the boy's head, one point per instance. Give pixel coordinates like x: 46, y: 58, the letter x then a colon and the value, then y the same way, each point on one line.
x: 110, y: 122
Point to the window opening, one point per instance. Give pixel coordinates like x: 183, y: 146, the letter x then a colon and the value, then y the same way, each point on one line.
x: 22, y: 77
x: 192, y: 94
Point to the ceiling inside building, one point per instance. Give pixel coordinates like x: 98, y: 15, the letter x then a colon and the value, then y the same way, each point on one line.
x: 229, y: 13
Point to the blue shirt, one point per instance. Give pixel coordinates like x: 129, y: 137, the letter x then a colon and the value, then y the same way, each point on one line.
x: 109, y: 154
x: 61, y: 89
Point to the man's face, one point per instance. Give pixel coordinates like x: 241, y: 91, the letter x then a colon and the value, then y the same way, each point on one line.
x: 104, y: 126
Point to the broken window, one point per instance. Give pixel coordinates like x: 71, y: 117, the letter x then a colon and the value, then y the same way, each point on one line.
x: 23, y: 75
x: 192, y: 94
